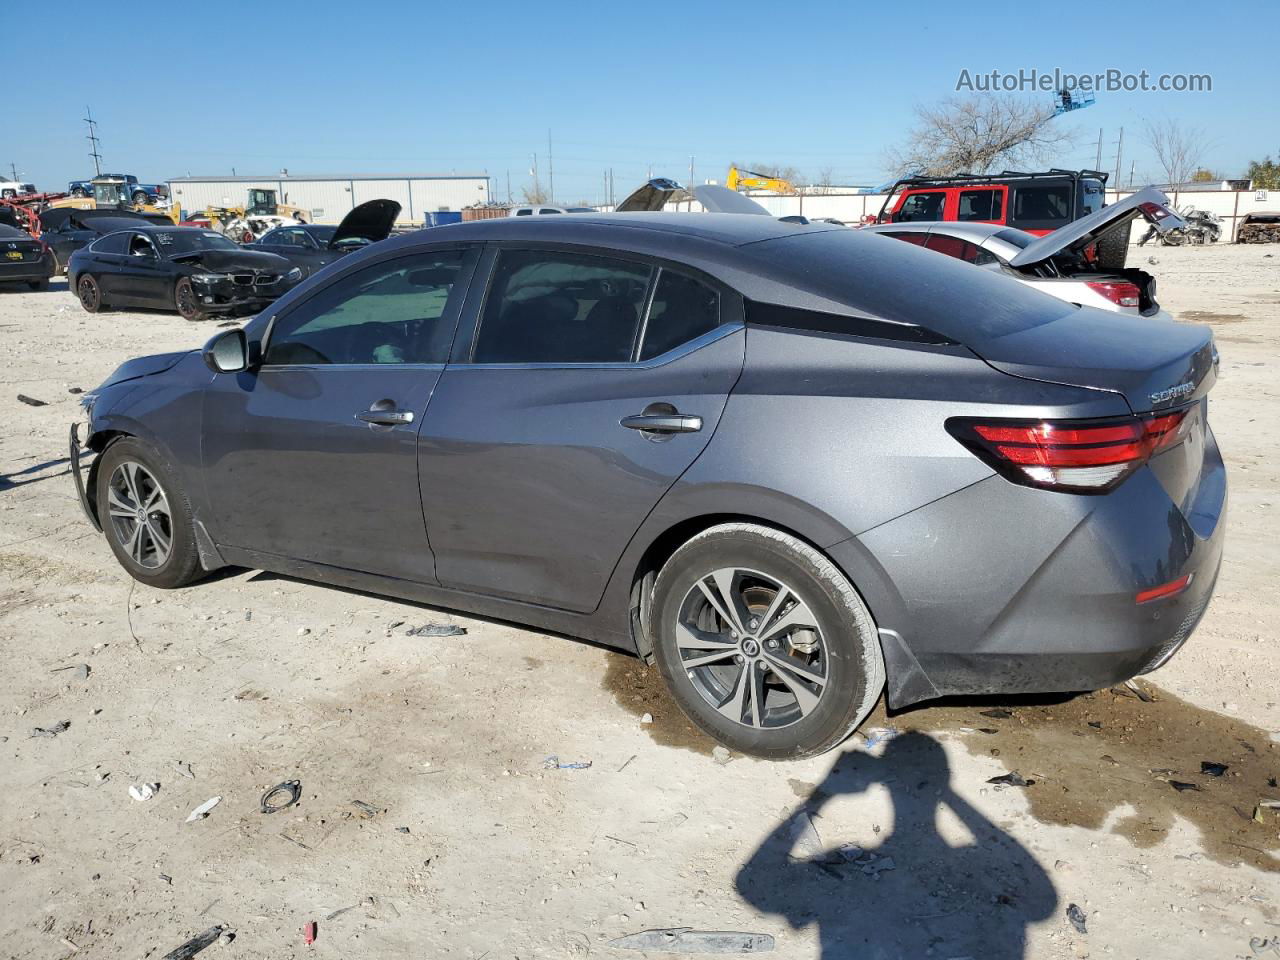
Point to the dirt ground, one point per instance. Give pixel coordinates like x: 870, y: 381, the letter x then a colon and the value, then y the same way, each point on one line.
x: 464, y: 844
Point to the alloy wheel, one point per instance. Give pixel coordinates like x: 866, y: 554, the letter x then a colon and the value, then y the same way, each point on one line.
x: 140, y: 516
x: 752, y: 648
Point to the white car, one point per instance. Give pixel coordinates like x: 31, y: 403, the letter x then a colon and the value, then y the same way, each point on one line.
x: 542, y: 209
x: 12, y: 188
x: 1057, y: 263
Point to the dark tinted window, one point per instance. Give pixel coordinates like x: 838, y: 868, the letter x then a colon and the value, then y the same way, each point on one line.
x: 524, y: 212
x: 958, y: 248
x: 682, y: 309
x: 1041, y: 206
x: 551, y: 307
x: 546, y: 210
x: 921, y: 206
x: 980, y: 205
x: 112, y: 243
x: 912, y: 236
x: 392, y: 312
x: 1019, y: 238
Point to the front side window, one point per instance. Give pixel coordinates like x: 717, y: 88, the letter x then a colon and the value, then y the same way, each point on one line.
x: 553, y: 307
x: 682, y: 310
x: 958, y: 248
x: 392, y: 312
x: 921, y: 206
x: 140, y: 246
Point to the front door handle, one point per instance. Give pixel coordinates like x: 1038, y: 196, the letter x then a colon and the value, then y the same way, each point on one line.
x: 663, y: 423
x: 383, y: 413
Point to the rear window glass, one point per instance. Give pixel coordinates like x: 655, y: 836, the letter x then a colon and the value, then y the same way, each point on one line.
x: 980, y: 205
x: 1017, y: 238
x: 682, y: 310
x: 1041, y: 206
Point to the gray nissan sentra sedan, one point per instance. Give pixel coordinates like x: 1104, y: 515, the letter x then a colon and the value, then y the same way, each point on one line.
x: 794, y: 464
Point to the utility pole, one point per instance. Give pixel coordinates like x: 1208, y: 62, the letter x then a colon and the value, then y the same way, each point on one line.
x: 508, y: 185
x: 534, y: 171
x: 93, y: 140
x: 611, y: 197
x: 1097, y: 164
x: 13, y: 170
x: 1119, y: 153
x: 1132, y: 164
x: 551, y: 171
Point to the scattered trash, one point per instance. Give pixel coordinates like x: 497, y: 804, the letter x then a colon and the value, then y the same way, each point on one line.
x: 553, y: 763
x: 31, y: 401
x: 1264, y: 805
x: 628, y: 763
x: 647, y: 718
x: 309, y: 932
x: 1261, y: 945
x: 229, y: 323
x: 878, y: 735
x: 143, y: 792
x: 1096, y: 724
x: 1213, y: 769
x: 70, y: 945
x: 202, y: 811
x: 75, y: 390
x: 999, y: 713
x: 1138, y: 691
x: 60, y: 727
x: 303, y: 631
x: 367, y: 810
x: 721, y: 755
x: 688, y: 940
x: 293, y: 789
x: 195, y: 944
x: 1183, y: 787
x: 1076, y: 916
x: 80, y: 671
x: 436, y: 630
x: 227, y: 937
x: 1013, y: 779
x: 184, y: 769
x: 805, y: 842
x: 1152, y: 260
x: 402, y: 829
x: 166, y: 879
x: 251, y: 695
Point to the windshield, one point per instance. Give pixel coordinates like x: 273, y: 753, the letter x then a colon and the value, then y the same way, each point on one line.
x: 174, y: 242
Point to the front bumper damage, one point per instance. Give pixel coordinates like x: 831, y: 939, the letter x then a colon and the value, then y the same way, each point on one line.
x: 231, y: 295
x: 82, y: 459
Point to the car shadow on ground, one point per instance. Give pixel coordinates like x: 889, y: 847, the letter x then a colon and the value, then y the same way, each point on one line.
x: 8, y: 481
x: 907, y: 892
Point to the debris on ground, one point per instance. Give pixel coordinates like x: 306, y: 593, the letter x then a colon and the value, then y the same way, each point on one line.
x: 79, y: 671
x: 143, y: 792
x: 1138, y: 691
x: 292, y: 789
x: 367, y: 810
x: 184, y: 768
x: 1182, y: 786
x: 1076, y: 916
x: 879, y: 735
x: 202, y: 811
x: 1264, y: 945
x: 227, y: 937
x: 31, y: 401
x: 1211, y: 769
x: 309, y: 932
x: 75, y: 390
x: 997, y: 713
x: 195, y: 944
x: 553, y: 763
x: 402, y: 830
x: 721, y: 755
x: 805, y: 842
x: 688, y: 940
x: 647, y: 718
x: 1264, y: 804
x: 1013, y: 779
x: 60, y: 727
x: 436, y: 630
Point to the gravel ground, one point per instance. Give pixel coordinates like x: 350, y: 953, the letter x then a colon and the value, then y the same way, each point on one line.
x: 464, y: 844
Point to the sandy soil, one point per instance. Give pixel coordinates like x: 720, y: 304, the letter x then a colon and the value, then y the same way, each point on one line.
x: 465, y: 845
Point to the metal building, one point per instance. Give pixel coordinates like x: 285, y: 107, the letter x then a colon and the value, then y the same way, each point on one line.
x: 330, y: 196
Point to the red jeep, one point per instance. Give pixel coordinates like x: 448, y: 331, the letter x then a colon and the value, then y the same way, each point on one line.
x: 1036, y: 202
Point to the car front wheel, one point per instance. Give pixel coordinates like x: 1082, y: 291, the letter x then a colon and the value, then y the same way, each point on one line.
x: 764, y: 643
x: 184, y: 298
x: 146, y: 516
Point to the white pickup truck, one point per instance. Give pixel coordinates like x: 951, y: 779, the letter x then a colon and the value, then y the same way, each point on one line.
x: 11, y: 188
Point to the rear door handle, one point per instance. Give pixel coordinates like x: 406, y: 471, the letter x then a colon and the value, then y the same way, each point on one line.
x: 663, y: 423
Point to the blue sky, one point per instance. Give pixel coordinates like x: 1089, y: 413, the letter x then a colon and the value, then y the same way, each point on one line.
x: 323, y: 86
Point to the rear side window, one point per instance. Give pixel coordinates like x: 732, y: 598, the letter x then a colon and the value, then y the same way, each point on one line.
x: 980, y: 205
x: 112, y: 243
x: 392, y: 312
x: 1041, y: 207
x: 958, y: 248
x: 916, y: 237
x: 554, y: 307
x: 546, y: 210
x: 921, y: 206
x: 682, y: 310
x: 524, y: 212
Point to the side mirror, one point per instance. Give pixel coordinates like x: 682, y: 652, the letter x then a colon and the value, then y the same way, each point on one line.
x: 228, y: 352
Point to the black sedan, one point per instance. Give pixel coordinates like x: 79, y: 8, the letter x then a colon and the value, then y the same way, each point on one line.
x: 24, y: 260
x: 193, y: 271
x: 66, y: 230
x: 311, y: 246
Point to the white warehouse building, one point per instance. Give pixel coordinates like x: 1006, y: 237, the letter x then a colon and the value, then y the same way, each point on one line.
x: 329, y: 197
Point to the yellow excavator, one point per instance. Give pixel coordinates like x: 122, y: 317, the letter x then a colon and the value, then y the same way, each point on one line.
x: 750, y: 180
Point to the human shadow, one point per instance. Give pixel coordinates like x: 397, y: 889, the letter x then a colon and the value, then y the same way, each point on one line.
x: 906, y: 894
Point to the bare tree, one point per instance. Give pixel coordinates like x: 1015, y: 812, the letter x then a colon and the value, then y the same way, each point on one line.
x: 535, y: 193
x: 978, y: 135
x: 1177, y: 148
x: 825, y: 182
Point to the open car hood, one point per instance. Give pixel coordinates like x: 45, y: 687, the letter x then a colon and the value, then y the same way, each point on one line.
x: 658, y: 192
x: 1148, y: 203
x: 371, y: 221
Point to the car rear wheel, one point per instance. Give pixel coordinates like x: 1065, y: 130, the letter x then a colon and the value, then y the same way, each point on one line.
x: 145, y: 516
x: 764, y: 643
x: 90, y: 294
x: 184, y: 298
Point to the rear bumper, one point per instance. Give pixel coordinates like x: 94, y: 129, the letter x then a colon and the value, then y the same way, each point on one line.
x: 1001, y: 589
x: 26, y: 271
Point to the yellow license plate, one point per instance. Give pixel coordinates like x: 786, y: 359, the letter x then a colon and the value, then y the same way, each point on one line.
x: 14, y: 254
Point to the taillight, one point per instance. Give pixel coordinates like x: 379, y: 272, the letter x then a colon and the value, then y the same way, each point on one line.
x: 1124, y: 294
x: 1080, y: 456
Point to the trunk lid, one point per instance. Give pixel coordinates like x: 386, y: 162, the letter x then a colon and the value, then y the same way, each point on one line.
x: 1072, y: 239
x: 371, y: 221
x: 1154, y: 364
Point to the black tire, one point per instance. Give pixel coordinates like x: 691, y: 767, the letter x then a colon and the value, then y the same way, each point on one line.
x: 1113, y: 250
x: 141, y: 198
x: 847, y: 653
x: 39, y: 285
x: 141, y: 558
x: 90, y: 293
x: 184, y: 300
x: 7, y: 194
x: 79, y: 193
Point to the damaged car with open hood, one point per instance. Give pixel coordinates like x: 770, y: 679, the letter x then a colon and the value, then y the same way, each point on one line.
x: 192, y: 271
x: 312, y: 246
